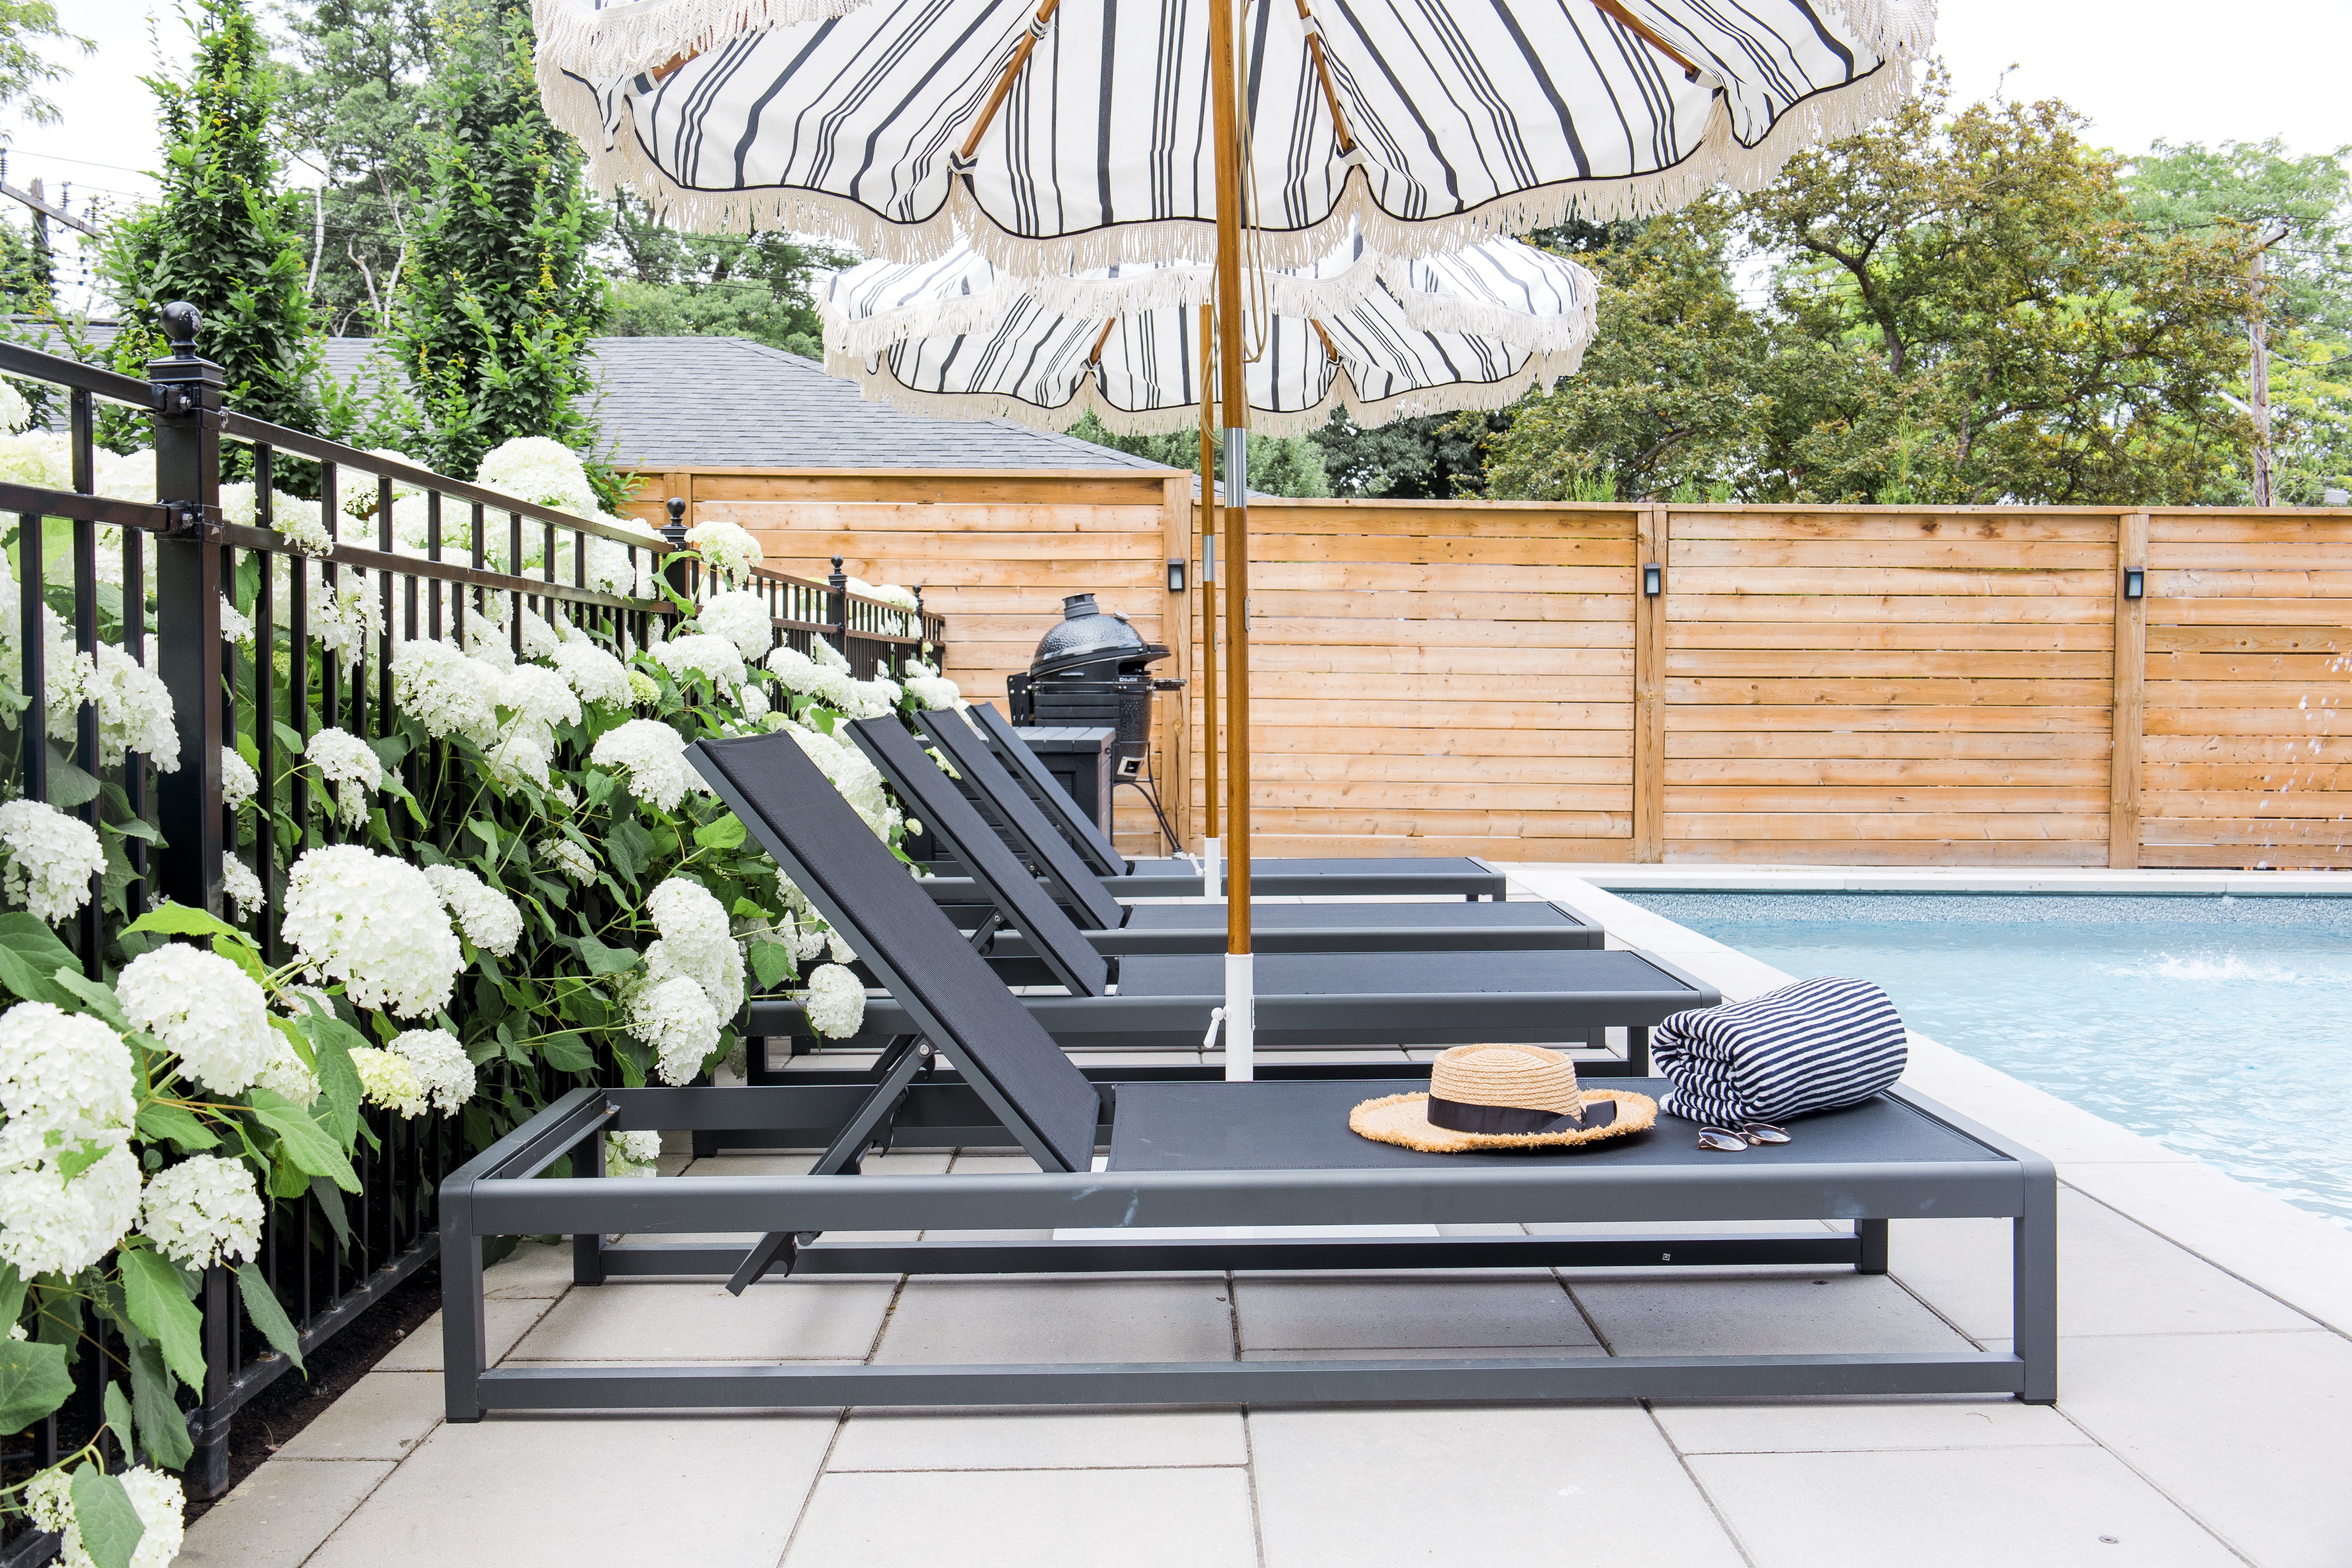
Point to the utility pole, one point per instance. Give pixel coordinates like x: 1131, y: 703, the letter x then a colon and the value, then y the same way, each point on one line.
x: 2257, y: 375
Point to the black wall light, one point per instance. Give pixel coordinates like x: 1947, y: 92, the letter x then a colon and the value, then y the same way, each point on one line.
x: 1653, y: 580
x: 1175, y: 576
x: 2135, y: 582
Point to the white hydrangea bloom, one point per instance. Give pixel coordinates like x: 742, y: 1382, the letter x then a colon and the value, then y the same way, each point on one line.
x: 654, y: 757
x: 726, y: 548
x: 37, y: 457
x: 835, y: 1002
x: 534, y: 468
x: 701, y: 655
x: 373, y: 923
x: 130, y: 476
x: 538, y: 698
x: 522, y: 755
x: 52, y: 1226
x: 204, y: 1008
x: 741, y: 618
x: 934, y: 692
x: 203, y: 1210
x: 679, y: 1022
x: 14, y: 412
x: 287, y: 1073
x: 360, y: 500
x: 446, y: 692
x: 65, y: 1080
x: 350, y: 765
x: 859, y: 782
x: 569, y: 858
x: 341, y: 616
x: 237, y: 626
x: 292, y: 516
x: 596, y: 676
x: 695, y: 942
x: 487, y: 916
x: 444, y: 1072
x: 243, y: 888
x: 895, y: 594
x: 873, y: 699
x: 488, y: 641
x: 50, y: 858
x: 134, y: 707
x: 239, y: 782
x: 609, y: 571
x: 801, y: 674
x: 389, y: 1081
x: 155, y: 1498
x: 830, y: 658
x: 642, y: 688
x: 631, y: 1153
x: 539, y: 639
x: 755, y: 704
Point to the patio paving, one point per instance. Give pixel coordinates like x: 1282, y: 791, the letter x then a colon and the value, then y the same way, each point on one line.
x: 2205, y: 1413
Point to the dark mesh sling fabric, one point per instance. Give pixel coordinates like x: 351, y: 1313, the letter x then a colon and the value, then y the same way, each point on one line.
x: 911, y: 945
x: 940, y: 806
x: 1097, y: 849
x: 1071, y: 877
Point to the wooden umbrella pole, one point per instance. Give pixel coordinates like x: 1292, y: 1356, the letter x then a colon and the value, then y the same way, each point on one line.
x: 1241, y: 984
x: 1209, y: 586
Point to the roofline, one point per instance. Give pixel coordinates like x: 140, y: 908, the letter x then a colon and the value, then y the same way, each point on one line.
x: 1137, y: 470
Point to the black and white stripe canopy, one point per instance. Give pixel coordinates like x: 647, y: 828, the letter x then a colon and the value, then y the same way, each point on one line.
x: 955, y: 337
x: 1420, y: 125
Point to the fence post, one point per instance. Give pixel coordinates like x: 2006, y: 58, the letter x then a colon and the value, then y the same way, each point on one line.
x: 839, y: 581
x: 2130, y: 719
x: 1650, y: 542
x: 187, y: 392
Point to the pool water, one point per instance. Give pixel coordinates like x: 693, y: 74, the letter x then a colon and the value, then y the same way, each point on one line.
x: 2219, y: 1027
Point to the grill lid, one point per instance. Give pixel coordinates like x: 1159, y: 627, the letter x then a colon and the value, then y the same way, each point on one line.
x: 1089, y: 635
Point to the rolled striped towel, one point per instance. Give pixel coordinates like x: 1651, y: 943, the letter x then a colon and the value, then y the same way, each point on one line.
x: 1805, y: 1046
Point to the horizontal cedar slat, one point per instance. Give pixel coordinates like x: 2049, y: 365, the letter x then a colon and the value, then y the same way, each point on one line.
x: 2020, y: 720
x: 1860, y: 825
x: 1831, y: 692
x: 1891, y: 851
x: 1794, y: 526
x: 1844, y: 636
x: 1906, y: 662
x: 1950, y: 554
x: 1903, y: 773
x: 1927, y: 741
x: 1884, y: 579
x: 1881, y: 609
x: 1904, y: 800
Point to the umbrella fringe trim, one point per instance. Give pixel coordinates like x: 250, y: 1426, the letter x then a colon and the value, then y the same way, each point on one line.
x: 873, y: 379
x: 1566, y: 332
x: 1720, y: 160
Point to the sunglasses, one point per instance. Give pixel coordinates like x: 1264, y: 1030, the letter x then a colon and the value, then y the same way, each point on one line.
x: 1731, y: 1140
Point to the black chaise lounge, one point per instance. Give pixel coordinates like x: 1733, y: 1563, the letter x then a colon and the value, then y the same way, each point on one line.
x: 978, y: 1071
x: 1116, y: 929
x: 1164, y: 877
x: 1165, y: 1001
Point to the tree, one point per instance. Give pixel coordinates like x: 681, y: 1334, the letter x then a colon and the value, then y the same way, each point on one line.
x: 223, y: 236
x: 1278, y: 465
x: 22, y: 66
x: 354, y: 107
x: 499, y: 300
x: 2293, y: 217
x: 1970, y: 312
x: 1667, y: 399
x: 753, y: 286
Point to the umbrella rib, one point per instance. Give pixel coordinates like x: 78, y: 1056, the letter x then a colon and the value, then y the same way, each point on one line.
x: 1094, y: 355
x: 1004, y: 83
x: 1323, y: 75
x: 1330, y: 351
x: 1640, y: 30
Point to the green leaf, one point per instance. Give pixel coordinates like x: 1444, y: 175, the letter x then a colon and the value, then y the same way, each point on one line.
x: 603, y: 960
x: 138, y: 827
x: 95, y: 998
x: 771, y: 962
x: 630, y: 846
x: 311, y: 1148
x: 240, y: 952
x: 73, y: 1161
x: 160, y: 1308
x: 160, y: 1122
x: 110, y: 1525
x: 31, y: 954
x: 163, y: 1427
x: 486, y: 831
x: 118, y: 1414
x: 330, y: 1204
x: 179, y: 920
x: 261, y: 1304
x: 289, y: 741
x: 12, y: 1296
x: 724, y: 833
x: 68, y: 785
x: 569, y: 1053
x: 33, y: 1382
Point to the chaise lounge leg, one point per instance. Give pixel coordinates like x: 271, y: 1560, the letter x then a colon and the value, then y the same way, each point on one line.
x: 588, y: 1246
x: 1872, y: 1234
x: 464, y: 1342
x: 2034, y: 1283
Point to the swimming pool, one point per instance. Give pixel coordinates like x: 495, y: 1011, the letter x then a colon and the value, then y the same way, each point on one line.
x: 2219, y: 1027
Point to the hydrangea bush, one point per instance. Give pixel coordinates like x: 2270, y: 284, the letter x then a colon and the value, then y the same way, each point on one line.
x: 522, y: 887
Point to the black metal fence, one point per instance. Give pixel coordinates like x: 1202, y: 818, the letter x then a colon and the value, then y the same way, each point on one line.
x: 150, y: 578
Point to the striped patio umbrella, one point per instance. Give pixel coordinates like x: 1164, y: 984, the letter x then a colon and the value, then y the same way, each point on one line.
x: 957, y: 338
x: 1056, y: 137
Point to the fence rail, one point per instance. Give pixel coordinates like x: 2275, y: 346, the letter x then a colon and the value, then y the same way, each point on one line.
x: 325, y: 623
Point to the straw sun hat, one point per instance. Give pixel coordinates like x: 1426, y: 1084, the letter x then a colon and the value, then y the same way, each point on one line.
x: 1502, y: 1097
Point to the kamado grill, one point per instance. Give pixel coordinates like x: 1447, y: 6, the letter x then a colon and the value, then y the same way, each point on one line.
x: 1094, y: 668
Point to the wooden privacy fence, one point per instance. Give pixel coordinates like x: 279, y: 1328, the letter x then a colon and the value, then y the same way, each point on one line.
x: 1858, y: 685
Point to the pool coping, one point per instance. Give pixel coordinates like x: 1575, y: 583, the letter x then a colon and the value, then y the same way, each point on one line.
x: 2154, y: 883
x: 2288, y: 1253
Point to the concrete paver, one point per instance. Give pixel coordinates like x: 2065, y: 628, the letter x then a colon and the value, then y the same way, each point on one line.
x: 1030, y: 1519
x: 382, y: 1417
x: 278, y: 1516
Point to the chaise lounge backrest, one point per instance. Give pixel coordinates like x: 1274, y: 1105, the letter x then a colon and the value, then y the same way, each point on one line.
x: 1073, y: 881
x: 908, y: 941
x: 933, y: 798
x: 1088, y: 837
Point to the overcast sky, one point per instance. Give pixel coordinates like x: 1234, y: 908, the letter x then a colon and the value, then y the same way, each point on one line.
x: 2140, y: 68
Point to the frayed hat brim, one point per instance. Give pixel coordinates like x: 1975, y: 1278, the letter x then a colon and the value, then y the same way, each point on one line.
x: 1404, y: 1119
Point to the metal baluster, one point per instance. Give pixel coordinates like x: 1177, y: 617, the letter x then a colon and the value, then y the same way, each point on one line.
x: 85, y: 601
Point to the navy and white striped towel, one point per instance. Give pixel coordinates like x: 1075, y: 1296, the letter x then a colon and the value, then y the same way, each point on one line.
x: 1806, y: 1047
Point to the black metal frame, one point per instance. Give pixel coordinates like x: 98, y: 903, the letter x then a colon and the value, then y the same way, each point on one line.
x: 499, y: 1192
